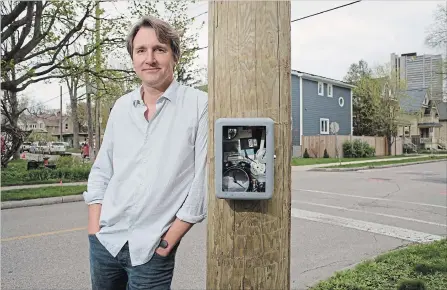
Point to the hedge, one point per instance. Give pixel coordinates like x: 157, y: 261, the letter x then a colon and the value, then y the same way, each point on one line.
x: 38, y: 175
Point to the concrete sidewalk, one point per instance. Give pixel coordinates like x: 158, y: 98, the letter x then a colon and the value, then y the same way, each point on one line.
x: 6, y: 188
x: 308, y: 167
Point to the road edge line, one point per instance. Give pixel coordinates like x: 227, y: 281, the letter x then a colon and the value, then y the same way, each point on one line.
x: 374, y: 167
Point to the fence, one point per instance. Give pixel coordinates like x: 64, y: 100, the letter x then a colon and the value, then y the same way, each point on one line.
x: 334, y: 144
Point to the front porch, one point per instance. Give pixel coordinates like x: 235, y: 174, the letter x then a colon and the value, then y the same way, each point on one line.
x: 426, y: 136
x: 429, y: 133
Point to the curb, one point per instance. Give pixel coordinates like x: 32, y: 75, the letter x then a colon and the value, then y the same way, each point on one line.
x: 29, y: 186
x: 374, y: 167
x: 41, y: 201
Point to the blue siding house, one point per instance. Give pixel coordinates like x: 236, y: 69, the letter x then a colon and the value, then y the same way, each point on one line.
x: 316, y: 103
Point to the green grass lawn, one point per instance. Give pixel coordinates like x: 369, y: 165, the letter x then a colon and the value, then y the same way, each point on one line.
x: 417, y: 267
x: 313, y: 161
x: 387, y: 162
x: 49, y: 191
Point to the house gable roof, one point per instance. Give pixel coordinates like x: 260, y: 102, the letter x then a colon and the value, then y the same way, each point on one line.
x: 318, y: 78
x: 412, y: 100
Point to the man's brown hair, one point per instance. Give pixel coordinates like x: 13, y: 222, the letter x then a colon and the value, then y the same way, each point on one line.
x: 166, y: 34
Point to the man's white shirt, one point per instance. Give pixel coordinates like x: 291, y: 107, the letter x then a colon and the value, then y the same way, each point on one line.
x: 147, y: 173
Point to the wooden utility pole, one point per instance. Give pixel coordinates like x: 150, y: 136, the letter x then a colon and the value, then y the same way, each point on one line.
x: 88, y: 88
x: 249, y: 75
x: 98, y: 80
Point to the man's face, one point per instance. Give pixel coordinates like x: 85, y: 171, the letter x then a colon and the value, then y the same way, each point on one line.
x: 153, y: 61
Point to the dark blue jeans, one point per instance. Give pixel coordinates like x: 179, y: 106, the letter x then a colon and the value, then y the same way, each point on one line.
x: 117, y: 273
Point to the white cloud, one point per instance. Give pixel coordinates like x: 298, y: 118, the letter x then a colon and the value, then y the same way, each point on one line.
x: 328, y: 43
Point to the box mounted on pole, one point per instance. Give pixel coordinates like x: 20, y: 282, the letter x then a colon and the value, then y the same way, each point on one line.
x: 244, y: 158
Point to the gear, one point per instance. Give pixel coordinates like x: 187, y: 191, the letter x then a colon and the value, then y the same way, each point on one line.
x: 257, y: 168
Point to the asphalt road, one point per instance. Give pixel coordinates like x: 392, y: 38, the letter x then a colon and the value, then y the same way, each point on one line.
x: 338, y: 220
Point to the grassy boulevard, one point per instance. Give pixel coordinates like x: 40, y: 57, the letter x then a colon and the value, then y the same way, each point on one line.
x: 388, y: 162
x: 417, y: 267
x: 42, y: 192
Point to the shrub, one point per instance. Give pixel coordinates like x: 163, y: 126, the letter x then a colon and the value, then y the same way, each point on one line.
x: 306, y: 154
x: 358, y: 149
x: 325, y: 155
x: 348, y: 151
x: 74, y: 174
x: 70, y: 162
x: 411, y: 285
x: 40, y: 175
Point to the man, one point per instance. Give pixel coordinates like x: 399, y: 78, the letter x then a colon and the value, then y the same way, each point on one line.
x: 147, y: 186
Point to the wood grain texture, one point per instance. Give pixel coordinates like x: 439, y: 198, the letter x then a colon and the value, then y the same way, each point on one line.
x: 248, y: 242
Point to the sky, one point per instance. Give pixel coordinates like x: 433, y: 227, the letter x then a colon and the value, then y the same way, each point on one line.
x: 326, y: 44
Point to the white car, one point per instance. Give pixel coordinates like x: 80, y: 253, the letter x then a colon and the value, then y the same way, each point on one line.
x: 26, y: 146
x: 55, y: 147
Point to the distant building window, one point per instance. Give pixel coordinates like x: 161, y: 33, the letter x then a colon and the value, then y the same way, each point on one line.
x: 324, y: 126
x: 341, y: 101
x: 320, y: 89
x: 329, y: 90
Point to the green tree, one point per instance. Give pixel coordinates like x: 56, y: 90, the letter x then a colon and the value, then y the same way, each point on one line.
x: 41, y: 41
x: 376, y: 101
x: 437, y: 33
x: 203, y: 88
x: 437, y: 38
x: 357, y: 71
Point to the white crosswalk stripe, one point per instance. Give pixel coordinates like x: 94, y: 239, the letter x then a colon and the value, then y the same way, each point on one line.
x: 370, y: 213
x: 391, y: 231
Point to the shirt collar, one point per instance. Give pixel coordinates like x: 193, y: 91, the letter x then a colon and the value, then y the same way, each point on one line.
x: 170, y: 93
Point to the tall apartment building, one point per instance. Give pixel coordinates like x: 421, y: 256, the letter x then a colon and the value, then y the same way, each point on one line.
x: 420, y: 71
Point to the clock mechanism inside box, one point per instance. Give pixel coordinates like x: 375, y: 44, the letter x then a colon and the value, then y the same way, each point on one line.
x: 244, y: 159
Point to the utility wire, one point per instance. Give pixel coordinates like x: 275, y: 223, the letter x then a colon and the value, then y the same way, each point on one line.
x: 321, y: 12
x: 298, y: 19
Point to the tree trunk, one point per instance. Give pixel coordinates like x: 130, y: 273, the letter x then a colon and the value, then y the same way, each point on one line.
x: 74, y: 119
x: 14, y: 107
x: 74, y: 113
x: 389, y: 144
x: 15, y: 119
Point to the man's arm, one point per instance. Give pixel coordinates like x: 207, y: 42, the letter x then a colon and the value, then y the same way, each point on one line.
x: 99, y: 177
x: 194, y: 208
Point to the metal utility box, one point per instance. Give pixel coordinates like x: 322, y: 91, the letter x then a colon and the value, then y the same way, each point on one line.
x: 244, y: 152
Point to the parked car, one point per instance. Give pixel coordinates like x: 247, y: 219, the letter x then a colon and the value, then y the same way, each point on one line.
x: 55, y: 148
x: 26, y: 146
x: 38, y: 147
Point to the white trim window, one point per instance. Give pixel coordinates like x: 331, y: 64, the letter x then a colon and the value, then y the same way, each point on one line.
x: 341, y: 101
x: 329, y: 90
x: 320, y: 88
x: 324, y: 126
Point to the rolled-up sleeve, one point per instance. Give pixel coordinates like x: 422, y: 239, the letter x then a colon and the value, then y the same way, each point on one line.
x: 102, y: 168
x: 194, y: 209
